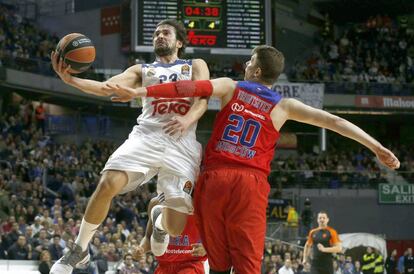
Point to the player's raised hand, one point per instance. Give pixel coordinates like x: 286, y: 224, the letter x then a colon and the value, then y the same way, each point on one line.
x: 123, y: 93
x: 60, y: 67
x: 387, y: 158
x: 177, y: 125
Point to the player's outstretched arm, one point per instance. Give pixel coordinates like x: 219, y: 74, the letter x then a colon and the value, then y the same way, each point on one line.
x: 295, y: 110
x: 220, y: 87
x: 130, y: 78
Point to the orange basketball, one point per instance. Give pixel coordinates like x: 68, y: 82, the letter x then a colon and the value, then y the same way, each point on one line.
x: 77, y: 51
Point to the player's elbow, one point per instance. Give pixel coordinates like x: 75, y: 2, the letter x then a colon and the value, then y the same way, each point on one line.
x: 333, y: 122
x: 338, y: 249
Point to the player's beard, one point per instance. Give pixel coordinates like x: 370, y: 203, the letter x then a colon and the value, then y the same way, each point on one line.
x: 164, y: 50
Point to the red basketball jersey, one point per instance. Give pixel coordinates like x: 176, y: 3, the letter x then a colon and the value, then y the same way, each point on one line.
x: 179, y: 248
x: 243, y: 133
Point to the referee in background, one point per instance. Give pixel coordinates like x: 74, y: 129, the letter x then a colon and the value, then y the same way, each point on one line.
x: 324, y: 241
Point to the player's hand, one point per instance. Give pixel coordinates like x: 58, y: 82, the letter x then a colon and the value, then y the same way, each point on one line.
x: 198, y: 250
x: 138, y: 253
x: 387, y: 158
x: 321, y: 247
x: 60, y: 67
x: 123, y: 93
x: 177, y: 125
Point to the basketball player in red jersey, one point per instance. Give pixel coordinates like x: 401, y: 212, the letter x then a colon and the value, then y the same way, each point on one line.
x: 231, y: 193
x: 185, y: 254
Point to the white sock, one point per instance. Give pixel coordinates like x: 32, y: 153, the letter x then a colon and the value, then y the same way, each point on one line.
x: 158, y: 222
x: 86, y: 232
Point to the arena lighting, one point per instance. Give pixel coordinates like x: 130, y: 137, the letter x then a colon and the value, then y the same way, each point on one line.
x: 370, y: 112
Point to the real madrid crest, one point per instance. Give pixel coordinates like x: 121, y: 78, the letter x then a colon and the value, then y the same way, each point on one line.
x: 151, y: 71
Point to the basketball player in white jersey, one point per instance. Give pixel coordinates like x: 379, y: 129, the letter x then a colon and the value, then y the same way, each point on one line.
x: 149, y: 149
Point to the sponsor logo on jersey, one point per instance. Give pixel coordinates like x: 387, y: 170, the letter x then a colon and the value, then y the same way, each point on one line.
x: 254, y: 114
x: 237, y: 107
x: 167, y: 106
x: 188, y: 187
x: 185, y: 70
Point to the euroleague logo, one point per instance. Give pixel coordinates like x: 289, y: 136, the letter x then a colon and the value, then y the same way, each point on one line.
x: 237, y: 108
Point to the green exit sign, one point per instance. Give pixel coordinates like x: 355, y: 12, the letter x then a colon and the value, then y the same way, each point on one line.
x: 396, y: 194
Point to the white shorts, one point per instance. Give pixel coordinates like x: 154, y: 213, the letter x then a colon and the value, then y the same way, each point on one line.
x: 148, y: 152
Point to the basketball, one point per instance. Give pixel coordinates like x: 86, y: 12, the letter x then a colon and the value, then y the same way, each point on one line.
x: 77, y: 51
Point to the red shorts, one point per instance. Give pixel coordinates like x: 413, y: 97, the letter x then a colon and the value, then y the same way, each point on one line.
x: 195, y: 267
x: 230, y: 207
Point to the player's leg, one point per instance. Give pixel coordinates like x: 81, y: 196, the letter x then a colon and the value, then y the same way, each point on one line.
x: 246, y: 227
x: 180, y: 166
x: 170, y: 217
x: 110, y: 184
x: 131, y: 155
x: 211, y: 197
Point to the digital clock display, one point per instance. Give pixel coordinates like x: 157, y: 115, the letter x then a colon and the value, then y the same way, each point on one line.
x: 223, y: 26
x: 190, y: 11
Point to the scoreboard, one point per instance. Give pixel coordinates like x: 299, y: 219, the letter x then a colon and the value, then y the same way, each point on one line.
x: 220, y: 26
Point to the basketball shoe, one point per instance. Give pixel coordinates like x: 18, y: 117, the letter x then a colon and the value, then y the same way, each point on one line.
x: 74, y: 258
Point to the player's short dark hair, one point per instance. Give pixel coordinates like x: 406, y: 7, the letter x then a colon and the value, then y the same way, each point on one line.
x: 323, y: 212
x: 270, y: 61
x: 180, y: 33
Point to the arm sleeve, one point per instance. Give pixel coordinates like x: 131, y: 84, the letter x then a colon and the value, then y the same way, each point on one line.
x: 184, y: 88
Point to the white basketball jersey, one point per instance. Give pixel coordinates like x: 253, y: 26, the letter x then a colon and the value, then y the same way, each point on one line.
x: 156, y: 112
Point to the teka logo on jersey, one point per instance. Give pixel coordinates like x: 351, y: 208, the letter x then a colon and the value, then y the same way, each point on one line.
x: 166, y: 106
x: 236, y: 107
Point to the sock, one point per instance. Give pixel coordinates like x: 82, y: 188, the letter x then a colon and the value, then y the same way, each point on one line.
x: 86, y: 232
x: 158, y: 222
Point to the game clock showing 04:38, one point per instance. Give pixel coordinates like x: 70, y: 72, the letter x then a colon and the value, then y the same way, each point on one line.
x: 223, y: 26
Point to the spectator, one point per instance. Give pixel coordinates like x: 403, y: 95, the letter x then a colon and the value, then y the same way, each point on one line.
x: 357, y: 267
x: 128, y: 266
x: 40, y: 115
x: 20, y: 250
x: 336, y: 268
x: 55, y: 249
x: 42, y: 241
x: 286, y: 268
x: 45, y: 262
x: 37, y: 225
x: 306, y: 217
x: 409, y: 262
x: 400, y: 264
x: 391, y: 262
x: 368, y: 261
